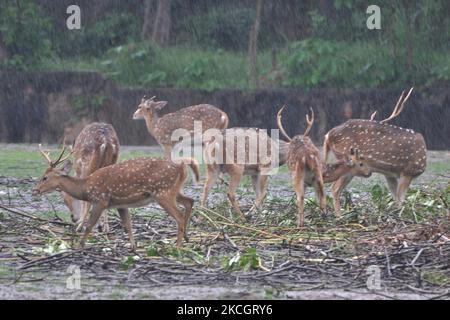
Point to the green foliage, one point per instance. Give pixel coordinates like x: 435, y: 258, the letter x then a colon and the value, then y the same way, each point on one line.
x: 169, y: 251
x: 331, y: 47
x: 149, y: 65
x: 246, y: 261
x: 110, y: 31
x: 321, y: 63
x: 436, y: 277
x: 128, y: 262
x: 130, y: 63
x: 24, y: 31
x: 378, y: 193
x: 53, y: 246
x: 219, y: 28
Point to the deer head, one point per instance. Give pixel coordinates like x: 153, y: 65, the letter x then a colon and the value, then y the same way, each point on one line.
x: 309, y: 123
x: 358, y: 164
x: 147, y: 108
x: 50, y: 179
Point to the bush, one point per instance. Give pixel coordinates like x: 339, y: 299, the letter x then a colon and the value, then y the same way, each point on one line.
x: 320, y: 63
x: 129, y: 64
x: 112, y: 30
x: 24, y: 31
x: 150, y: 65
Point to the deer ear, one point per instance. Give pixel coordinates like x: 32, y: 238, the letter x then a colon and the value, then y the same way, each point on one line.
x: 160, y: 104
x: 67, y: 167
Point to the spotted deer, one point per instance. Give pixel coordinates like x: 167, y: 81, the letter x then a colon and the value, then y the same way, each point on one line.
x: 96, y: 146
x: 397, y: 153
x: 161, y: 128
x: 307, y: 167
x: 129, y: 184
x: 236, y: 161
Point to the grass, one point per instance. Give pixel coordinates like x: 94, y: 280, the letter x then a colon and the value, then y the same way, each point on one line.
x: 23, y: 161
x: 18, y: 162
x: 138, y: 64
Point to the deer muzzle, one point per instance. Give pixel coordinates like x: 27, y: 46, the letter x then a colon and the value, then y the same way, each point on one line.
x: 137, y: 116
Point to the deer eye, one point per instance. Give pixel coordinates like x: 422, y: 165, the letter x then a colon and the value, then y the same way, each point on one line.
x: 361, y: 164
x: 44, y: 178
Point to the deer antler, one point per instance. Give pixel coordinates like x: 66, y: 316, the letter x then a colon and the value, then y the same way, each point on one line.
x: 280, y: 126
x: 372, y: 116
x: 145, y: 98
x: 45, y: 154
x: 309, y: 122
x: 399, y: 106
x: 60, y: 159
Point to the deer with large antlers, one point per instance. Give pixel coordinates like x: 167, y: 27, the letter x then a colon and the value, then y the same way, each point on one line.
x: 96, y: 146
x: 161, y: 128
x: 397, y: 153
x: 307, y: 167
x: 129, y: 184
x: 238, y: 152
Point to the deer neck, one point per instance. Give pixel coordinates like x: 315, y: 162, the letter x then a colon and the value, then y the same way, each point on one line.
x: 151, y: 120
x: 75, y: 187
x: 332, y: 172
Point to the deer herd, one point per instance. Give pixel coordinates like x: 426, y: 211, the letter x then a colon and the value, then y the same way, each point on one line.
x: 360, y: 147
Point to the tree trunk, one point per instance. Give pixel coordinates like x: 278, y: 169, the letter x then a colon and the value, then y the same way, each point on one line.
x: 146, y: 32
x: 409, y: 39
x: 3, y: 51
x: 161, y: 28
x: 253, y: 46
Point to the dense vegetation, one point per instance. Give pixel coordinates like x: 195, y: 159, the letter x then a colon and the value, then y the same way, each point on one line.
x: 300, y: 43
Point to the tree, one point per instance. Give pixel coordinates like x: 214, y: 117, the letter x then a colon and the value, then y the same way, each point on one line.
x: 161, y: 27
x: 253, y: 45
x: 3, y: 52
x: 146, y: 33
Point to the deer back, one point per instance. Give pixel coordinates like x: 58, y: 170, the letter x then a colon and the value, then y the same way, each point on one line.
x: 96, y: 146
x: 242, y: 146
x: 140, y: 177
x: 302, y: 149
x: 386, y: 148
x: 209, y: 115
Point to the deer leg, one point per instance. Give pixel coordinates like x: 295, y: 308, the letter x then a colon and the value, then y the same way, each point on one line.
x: 168, y: 152
x: 235, y: 178
x: 298, y: 177
x: 319, y: 188
x: 187, y: 203
x: 96, y: 212
x: 403, y: 185
x: 85, y: 206
x: 168, y: 204
x: 104, y: 223
x: 256, y: 188
x: 393, y: 186
x: 320, y: 196
x: 261, y: 189
x: 211, y: 177
x: 336, y: 190
x: 125, y: 218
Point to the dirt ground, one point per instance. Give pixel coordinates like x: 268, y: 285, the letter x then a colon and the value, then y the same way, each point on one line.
x: 374, y: 251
